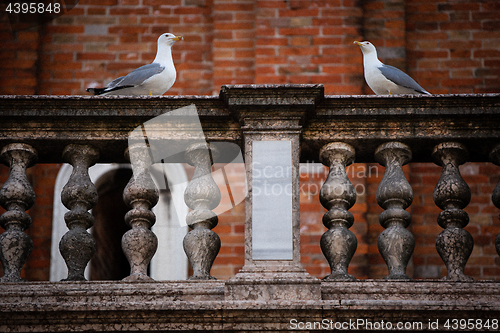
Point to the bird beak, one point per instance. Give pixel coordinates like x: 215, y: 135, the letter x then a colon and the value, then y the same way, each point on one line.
x: 178, y: 38
x: 357, y: 43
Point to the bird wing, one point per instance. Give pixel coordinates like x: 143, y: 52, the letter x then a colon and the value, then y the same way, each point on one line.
x: 400, y: 78
x: 136, y: 77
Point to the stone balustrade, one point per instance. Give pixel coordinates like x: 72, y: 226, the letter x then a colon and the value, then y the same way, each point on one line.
x: 337, y: 195
x: 303, y: 125
x: 202, y: 196
x: 140, y: 243
x: 394, y: 194
x: 79, y: 195
x: 16, y: 196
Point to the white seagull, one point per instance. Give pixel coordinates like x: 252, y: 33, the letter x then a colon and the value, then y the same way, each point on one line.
x: 153, y: 79
x: 385, y: 79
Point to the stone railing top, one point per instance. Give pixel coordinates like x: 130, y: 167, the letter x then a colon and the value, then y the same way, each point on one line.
x: 49, y: 123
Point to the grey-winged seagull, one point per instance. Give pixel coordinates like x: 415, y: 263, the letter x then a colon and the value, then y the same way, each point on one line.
x: 153, y: 79
x: 385, y: 79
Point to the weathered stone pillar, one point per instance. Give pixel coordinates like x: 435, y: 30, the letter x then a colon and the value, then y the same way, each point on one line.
x: 337, y: 195
x: 495, y: 196
x: 271, y: 122
x: 16, y: 196
x: 452, y: 194
x: 141, y: 194
x: 394, y: 194
x: 202, y: 195
x: 79, y: 195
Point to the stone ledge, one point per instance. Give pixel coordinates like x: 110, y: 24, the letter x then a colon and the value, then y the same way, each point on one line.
x: 362, y: 121
x: 200, y: 305
x: 417, y: 290
x: 272, y: 286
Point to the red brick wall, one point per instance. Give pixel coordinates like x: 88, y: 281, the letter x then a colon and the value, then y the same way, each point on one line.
x: 309, y: 42
x: 233, y: 45
x: 231, y: 226
x: 447, y: 46
x: 384, y: 25
x: 19, y: 58
x: 453, y: 45
x: 42, y: 177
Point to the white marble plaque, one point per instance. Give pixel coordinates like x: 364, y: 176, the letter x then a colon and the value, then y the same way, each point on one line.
x: 272, y: 200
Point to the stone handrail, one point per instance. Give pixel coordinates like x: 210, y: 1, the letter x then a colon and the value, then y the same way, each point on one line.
x: 49, y: 123
x: 448, y: 130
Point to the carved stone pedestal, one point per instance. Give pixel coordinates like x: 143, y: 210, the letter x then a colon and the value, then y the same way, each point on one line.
x: 271, y: 135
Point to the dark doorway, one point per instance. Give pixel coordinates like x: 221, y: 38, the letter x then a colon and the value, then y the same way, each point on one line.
x: 109, y: 262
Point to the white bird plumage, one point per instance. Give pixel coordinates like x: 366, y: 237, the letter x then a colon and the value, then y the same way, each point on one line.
x: 152, y: 79
x: 384, y: 79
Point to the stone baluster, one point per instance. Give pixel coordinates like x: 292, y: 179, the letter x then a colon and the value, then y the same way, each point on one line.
x: 452, y: 194
x: 495, y: 197
x: 79, y: 195
x: 394, y: 195
x: 139, y: 243
x: 338, y: 195
x: 202, y: 195
x: 16, y: 196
